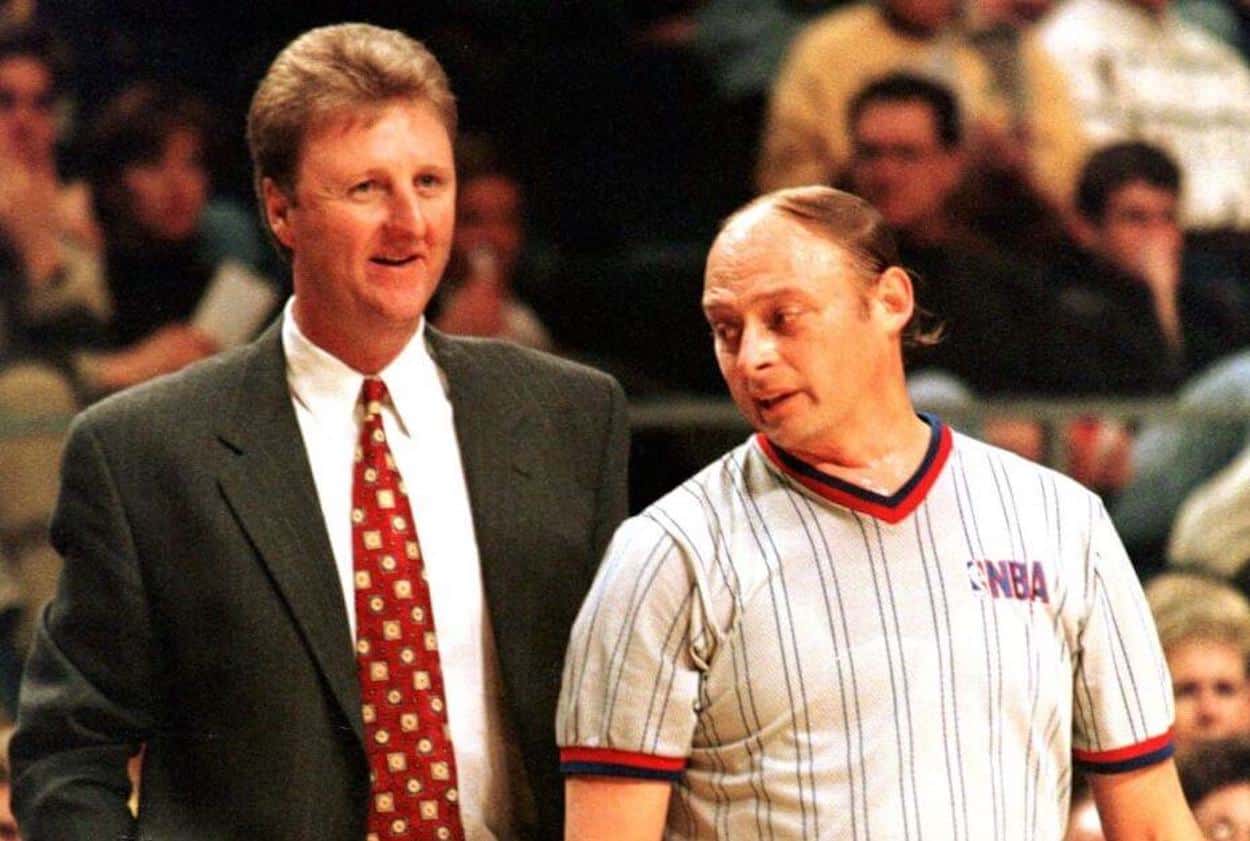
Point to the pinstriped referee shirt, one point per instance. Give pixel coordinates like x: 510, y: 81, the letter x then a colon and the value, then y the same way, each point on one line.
x: 804, y: 659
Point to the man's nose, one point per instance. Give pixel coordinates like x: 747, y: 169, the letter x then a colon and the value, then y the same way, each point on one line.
x: 406, y: 213
x: 757, y: 348
x: 1208, y: 708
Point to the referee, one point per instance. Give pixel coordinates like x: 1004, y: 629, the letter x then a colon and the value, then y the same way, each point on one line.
x: 858, y: 624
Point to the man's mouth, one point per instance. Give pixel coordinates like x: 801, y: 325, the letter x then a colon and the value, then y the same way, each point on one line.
x: 394, y: 262
x: 767, y: 403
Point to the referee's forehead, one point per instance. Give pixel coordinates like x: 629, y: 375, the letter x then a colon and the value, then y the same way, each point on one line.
x: 764, y: 242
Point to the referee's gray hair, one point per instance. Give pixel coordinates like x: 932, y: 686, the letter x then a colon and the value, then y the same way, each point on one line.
x: 856, y: 227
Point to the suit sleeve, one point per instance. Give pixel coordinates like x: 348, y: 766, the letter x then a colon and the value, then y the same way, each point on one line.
x: 86, y: 698
x: 612, y: 502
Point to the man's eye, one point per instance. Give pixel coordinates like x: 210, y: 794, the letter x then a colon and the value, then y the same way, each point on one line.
x: 364, y: 188
x: 727, y: 333
x: 784, y: 319
x: 1226, y: 688
x: 429, y: 181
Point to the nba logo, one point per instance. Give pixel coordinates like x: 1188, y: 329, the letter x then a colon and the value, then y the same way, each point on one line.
x: 976, y: 577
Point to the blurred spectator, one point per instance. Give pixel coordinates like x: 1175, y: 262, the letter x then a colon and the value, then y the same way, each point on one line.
x: 1228, y: 20
x: 1145, y: 326
x: 744, y: 41
x: 908, y: 156
x: 49, y: 269
x: 1204, y: 628
x: 1173, y: 456
x: 1212, y: 527
x: 166, y: 246
x: 35, y: 401
x: 998, y: 198
x: 741, y: 44
x: 806, y: 141
x: 1139, y: 72
x: 8, y: 825
x: 479, y: 296
x: 1216, y: 780
x: 16, y: 12
x: 1135, y: 325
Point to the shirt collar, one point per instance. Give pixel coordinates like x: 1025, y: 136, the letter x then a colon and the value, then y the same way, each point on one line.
x: 325, y: 385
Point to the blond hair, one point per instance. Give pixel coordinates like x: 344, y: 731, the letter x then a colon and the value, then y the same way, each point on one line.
x: 1190, y: 606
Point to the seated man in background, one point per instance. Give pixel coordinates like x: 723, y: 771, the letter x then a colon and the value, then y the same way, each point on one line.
x: 49, y: 262
x: 1136, y: 325
x: 817, y: 637
x: 806, y: 139
x: 1143, y: 326
x: 1216, y: 781
x: 479, y: 297
x: 169, y: 247
x: 908, y: 157
x: 1204, y: 628
x: 49, y: 272
x: 1137, y: 71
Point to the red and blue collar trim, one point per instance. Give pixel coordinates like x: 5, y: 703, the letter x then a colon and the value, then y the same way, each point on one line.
x: 891, y: 508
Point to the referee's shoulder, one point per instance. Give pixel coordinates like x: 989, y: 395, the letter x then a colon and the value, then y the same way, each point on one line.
x: 1019, y: 466
x: 708, y: 495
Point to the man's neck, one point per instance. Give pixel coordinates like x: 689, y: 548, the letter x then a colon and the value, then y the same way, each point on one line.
x: 878, y: 453
x: 366, y: 352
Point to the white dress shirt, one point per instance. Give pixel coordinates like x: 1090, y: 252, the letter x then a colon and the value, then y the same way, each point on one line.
x: 418, y: 422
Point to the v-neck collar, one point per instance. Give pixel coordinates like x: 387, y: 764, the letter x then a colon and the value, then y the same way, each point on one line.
x: 891, y: 508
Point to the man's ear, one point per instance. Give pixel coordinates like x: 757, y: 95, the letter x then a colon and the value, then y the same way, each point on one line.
x: 894, y: 298
x: 277, y: 211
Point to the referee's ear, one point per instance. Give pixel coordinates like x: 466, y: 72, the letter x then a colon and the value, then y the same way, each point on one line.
x: 893, y: 300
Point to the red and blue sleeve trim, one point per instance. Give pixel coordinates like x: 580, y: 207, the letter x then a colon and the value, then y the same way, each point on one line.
x: 891, y: 508
x: 1140, y: 755
x: 606, y: 762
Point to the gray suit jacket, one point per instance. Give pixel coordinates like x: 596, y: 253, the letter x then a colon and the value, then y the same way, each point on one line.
x: 200, y: 612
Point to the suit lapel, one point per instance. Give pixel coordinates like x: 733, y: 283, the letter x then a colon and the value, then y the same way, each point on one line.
x: 490, y: 429
x: 270, y: 489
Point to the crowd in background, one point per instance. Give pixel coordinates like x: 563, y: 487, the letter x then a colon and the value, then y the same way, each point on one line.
x: 1069, y: 183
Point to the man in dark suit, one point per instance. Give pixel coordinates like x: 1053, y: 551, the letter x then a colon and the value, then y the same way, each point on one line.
x: 215, y: 524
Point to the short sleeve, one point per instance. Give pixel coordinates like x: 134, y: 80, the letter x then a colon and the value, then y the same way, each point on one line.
x: 1123, y: 710
x: 631, y: 675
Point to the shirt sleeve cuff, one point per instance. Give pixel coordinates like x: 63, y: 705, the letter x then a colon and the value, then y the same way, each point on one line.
x: 605, y: 762
x: 1130, y: 758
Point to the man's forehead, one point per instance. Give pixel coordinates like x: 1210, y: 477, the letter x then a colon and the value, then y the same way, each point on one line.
x: 17, y: 66
x: 764, y: 231
x: 763, y: 248
x: 914, y: 118
x: 330, y: 132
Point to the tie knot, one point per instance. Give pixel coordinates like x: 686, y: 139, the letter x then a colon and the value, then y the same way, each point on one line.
x: 373, y: 392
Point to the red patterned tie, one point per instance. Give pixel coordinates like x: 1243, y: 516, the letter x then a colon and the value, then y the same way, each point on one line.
x: 408, y: 741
